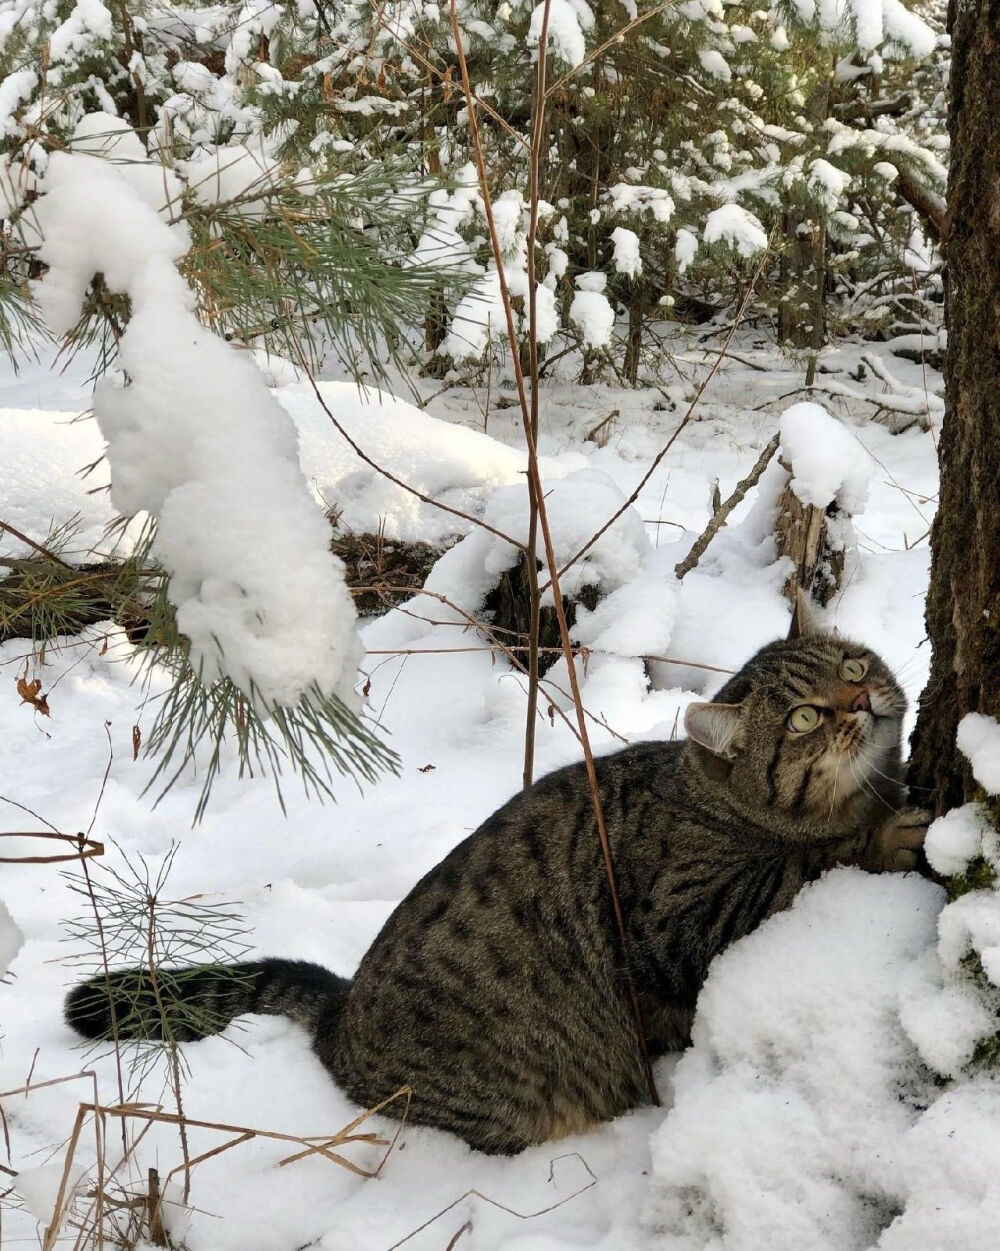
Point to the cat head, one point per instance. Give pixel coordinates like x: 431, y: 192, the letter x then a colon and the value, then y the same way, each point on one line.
x: 807, y: 726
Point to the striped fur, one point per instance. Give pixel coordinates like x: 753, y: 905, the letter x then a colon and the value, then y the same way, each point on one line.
x: 495, y: 990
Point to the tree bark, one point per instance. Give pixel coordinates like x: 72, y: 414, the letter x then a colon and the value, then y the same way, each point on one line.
x: 963, y: 602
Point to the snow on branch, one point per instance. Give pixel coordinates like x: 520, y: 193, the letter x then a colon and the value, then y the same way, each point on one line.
x: 196, y: 440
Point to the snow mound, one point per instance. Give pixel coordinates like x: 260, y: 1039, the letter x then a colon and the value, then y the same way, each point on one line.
x: 444, y: 461
x: 567, y: 20
x: 576, y: 506
x: 635, y: 620
x: 828, y: 463
x: 792, y: 1105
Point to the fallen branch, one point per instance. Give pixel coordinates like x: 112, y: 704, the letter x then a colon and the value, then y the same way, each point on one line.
x: 721, y: 514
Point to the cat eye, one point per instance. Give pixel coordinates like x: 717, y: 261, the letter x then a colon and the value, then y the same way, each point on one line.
x: 853, y: 670
x: 803, y: 718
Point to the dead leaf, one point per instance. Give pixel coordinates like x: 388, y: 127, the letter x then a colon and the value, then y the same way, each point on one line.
x: 426, y: 768
x: 136, y: 742
x: 30, y: 693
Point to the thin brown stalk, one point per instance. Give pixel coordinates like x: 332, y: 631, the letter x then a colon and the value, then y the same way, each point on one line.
x: 531, y: 563
x: 534, y: 479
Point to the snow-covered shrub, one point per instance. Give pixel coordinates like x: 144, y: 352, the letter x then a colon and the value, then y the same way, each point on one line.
x: 196, y: 441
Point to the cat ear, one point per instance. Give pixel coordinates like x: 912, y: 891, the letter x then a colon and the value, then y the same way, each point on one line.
x: 714, y: 726
x: 804, y: 623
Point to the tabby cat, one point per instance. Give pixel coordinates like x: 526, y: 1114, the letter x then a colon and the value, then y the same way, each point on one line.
x: 496, y: 990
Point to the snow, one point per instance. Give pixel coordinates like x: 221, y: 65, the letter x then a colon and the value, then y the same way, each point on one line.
x: 11, y: 939
x: 715, y: 64
x: 806, y: 1114
x: 256, y: 588
x: 629, y: 197
x: 827, y: 183
x: 88, y: 24
x: 956, y: 838
x: 736, y: 226
x: 979, y: 740
x: 40, y: 1189
x: 479, y: 319
x: 798, y: 1072
x: 828, y: 463
x: 627, y: 258
x: 590, y: 310
x: 451, y: 464
x: 566, y: 25
x: 873, y: 22
x: 685, y: 249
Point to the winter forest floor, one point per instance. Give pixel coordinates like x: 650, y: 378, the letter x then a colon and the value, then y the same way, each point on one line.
x: 804, y: 1117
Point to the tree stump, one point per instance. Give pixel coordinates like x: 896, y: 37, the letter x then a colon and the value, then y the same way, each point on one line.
x: 817, y: 540
x: 508, y: 608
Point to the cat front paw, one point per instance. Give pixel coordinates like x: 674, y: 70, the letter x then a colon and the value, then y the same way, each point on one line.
x: 897, y: 844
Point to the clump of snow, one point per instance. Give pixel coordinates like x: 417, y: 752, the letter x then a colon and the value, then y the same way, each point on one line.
x: 196, y: 439
x: 480, y: 317
x: 685, y: 249
x: 240, y: 172
x: 590, y: 310
x: 576, y: 506
x: 827, y: 183
x: 827, y: 462
x: 87, y: 25
x: 979, y: 741
x: 14, y: 88
x: 627, y: 257
x: 567, y: 21
x: 627, y: 197
x: 114, y: 140
x: 956, y: 838
x: 11, y: 939
x: 736, y: 226
x: 441, y: 243
x: 714, y: 63
x: 873, y: 22
x: 942, y: 1014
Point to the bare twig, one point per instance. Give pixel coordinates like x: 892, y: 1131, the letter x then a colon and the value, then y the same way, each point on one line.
x: 721, y: 514
x: 521, y: 1216
x: 37, y: 547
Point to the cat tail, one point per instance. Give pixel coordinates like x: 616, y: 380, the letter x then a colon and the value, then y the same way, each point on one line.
x: 186, y: 1004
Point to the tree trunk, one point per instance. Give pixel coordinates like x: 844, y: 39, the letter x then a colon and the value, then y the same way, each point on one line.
x: 963, y: 601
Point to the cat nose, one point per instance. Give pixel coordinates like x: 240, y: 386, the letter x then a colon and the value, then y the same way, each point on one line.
x: 862, y: 701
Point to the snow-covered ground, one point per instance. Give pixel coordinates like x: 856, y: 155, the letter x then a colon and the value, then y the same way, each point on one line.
x: 805, y: 1116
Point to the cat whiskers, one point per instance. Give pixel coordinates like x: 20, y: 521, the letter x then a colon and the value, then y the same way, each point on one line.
x: 836, y: 780
x: 872, y: 767
x: 865, y: 785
